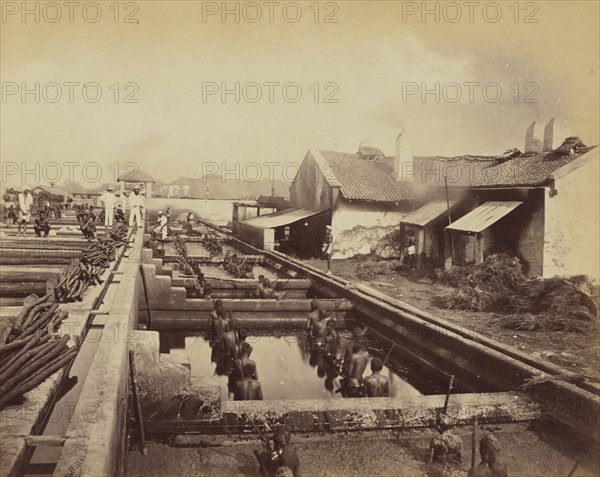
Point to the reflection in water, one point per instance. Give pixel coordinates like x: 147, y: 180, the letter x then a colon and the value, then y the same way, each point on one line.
x: 288, y: 365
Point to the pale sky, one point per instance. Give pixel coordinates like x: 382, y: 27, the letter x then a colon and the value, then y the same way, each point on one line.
x: 368, y: 58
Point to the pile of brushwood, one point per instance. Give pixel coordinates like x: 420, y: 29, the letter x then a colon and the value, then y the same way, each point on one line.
x: 188, y: 267
x: 33, y: 351
x: 211, y: 243
x: 529, y: 304
x: 87, y: 271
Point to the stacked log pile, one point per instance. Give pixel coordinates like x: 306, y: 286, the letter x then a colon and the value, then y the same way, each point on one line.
x: 33, y: 350
x: 91, y: 265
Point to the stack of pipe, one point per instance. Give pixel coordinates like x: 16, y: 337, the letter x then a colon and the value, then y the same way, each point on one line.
x: 91, y: 265
x: 33, y: 350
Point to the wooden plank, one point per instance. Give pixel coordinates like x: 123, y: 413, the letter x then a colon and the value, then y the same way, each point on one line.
x: 136, y: 402
x: 51, y: 441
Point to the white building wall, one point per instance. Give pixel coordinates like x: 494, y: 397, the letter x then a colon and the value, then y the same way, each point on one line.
x: 358, y: 226
x: 572, y: 228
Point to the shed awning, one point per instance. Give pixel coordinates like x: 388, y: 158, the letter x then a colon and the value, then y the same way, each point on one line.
x: 428, y: 212
x: 484, y: 216
x: 280, y: 219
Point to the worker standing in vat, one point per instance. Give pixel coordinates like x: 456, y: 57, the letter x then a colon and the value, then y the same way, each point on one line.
x: 240, y: 364
x: 136, y: 204
x: 490, y: 465
x: 327, y: 247
x: 319, y: 332
x: 348, y: 347
x: 278, y: 294
x: 41, y: 226
x: 248, y: 389
x: 218, y: 311
x: 332, y: 340
x: 353, y: 381
x: 445, y: 449
x: 267, y: 289
x: 260, y: 288
x: 189, y: 223
x: 377, y: 385
x: 231, y: 338
x: 313, y: 317
x: 108, y: 200
x: 220, y: 327
x: 283, y: 455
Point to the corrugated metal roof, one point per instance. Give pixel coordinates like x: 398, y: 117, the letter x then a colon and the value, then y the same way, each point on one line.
x: 484, y: 216
x: 279, y: 219
x: 428, y: 212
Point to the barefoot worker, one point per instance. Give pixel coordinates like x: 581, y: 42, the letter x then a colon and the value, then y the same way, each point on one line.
x: 327, y: 247
x: 377, y: 385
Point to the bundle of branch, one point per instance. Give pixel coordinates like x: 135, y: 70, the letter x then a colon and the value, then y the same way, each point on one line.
x: 529, y: 304
x: 33, y: 351
x: 94, y: 260
x: 187, y: 265
x: 211, y: 243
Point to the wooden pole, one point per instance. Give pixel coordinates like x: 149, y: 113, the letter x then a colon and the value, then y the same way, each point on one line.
x: 574, y: 468
x: 136, y: 402
x: 448, y: 394
x: 388, y: 355
x: 145, y: 284
x: 474, y: 443
x: 450, y: 221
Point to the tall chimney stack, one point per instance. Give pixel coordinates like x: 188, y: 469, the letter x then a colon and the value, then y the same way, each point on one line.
x: 404, y: 168
x: 555, y: 132
x: 534, y: 137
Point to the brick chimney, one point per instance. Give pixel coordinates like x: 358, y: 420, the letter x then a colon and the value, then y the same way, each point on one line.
x: 555, y: 132
x: 404, y: 168
x: 534, y: 138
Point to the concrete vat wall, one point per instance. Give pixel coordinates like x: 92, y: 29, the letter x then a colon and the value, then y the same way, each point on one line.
x: 96, y: 439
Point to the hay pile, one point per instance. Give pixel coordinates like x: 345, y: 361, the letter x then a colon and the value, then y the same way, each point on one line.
x: 499, y: 285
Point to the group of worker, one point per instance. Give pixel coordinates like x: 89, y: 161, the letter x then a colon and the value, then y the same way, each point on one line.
x: 236, y: 267
x: 324, y: 341
x: 232, y: 353
x: 445, y: 452
x: 266, y: 290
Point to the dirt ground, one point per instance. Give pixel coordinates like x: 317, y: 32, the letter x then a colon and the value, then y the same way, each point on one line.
x: 526, y: 452
x: 578, y: 352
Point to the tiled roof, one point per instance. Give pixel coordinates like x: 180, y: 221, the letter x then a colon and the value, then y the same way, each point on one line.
x: 361, y: 179
x: 508, y: 170
x: 371, y: 180
x: 135, y: 176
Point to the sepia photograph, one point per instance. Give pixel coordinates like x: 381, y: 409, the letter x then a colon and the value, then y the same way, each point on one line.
x: 344, y: 238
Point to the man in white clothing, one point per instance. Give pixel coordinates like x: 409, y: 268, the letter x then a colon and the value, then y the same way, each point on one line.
x: 160, y: 232
x: 136, y: 204
x: 25, y: 203
x: 108, y: 201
